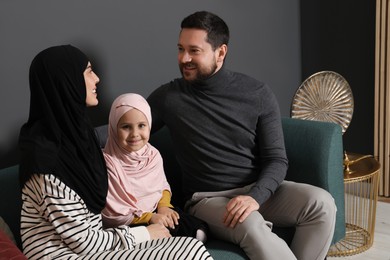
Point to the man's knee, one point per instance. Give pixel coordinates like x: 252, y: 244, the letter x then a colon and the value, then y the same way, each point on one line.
x: 323, y: 202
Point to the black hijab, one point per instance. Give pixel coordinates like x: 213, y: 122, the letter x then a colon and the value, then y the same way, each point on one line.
x: 58, y: 138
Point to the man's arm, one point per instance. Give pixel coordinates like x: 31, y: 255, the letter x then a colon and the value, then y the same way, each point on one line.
x: 273, y: 163
x: 272, y: 156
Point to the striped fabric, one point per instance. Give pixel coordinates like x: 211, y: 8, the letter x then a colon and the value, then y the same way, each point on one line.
x: 55, y: 223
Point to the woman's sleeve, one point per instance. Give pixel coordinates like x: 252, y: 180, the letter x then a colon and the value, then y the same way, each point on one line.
x: 80, y: 229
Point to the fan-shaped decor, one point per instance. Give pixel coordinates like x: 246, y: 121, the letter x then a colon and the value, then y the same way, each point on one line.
x: 324, y: 96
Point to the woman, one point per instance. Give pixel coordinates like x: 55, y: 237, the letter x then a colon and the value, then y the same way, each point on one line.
x: 64, y: 178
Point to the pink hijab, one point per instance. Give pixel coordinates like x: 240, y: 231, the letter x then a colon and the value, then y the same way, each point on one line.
x: 136, y: 179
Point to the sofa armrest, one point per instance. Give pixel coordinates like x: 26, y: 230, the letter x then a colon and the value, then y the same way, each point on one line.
x: 315, y: 153
x: 11, y: 200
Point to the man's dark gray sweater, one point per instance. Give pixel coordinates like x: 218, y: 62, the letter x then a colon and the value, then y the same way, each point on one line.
x: 226, y: 132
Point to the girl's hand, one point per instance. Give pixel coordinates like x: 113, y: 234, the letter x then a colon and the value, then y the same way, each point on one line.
x: 172, y: 215
x: 163, y: 220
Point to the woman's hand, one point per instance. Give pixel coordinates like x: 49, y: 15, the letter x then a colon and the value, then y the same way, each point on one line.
x: 157, y: 231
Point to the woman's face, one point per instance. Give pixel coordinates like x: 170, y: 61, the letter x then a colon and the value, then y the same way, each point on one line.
x: 133, y: 130
x: 91, y: 79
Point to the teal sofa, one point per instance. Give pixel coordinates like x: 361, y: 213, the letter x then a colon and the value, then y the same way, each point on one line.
x: 314, y: 150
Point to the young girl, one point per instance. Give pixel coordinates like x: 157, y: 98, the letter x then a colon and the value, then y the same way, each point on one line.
x: 138, y: 192
x: 63, y: 175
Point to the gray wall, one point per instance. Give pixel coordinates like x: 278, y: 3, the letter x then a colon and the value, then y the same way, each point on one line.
x: 132, y: 45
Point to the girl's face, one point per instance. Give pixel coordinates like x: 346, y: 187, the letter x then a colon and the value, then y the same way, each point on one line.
x: 133, y: 130
x: 91, y: 79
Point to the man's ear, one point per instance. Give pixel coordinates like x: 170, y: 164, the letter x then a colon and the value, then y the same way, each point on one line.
x: 222, y: 51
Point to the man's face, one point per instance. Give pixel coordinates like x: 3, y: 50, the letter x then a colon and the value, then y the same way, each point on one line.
x: 196, y: 58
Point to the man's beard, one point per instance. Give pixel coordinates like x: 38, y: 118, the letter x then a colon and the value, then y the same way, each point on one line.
x: 201, y: 73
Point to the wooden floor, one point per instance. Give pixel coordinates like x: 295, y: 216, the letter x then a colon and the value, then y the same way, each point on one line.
x: 381, y: 247
x: 384, y: 199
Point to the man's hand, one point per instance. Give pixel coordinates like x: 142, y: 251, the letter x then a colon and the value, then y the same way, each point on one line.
x: 238, y: 209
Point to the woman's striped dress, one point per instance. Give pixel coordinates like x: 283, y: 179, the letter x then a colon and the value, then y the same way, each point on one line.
x: 56, y: 224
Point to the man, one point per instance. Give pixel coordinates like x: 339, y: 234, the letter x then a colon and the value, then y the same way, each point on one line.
x: 228, y: 138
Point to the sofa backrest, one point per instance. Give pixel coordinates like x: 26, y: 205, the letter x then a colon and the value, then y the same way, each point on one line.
x: 314, y: 150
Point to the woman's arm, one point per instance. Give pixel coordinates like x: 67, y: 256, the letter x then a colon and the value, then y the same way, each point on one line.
x: 55, y: 214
